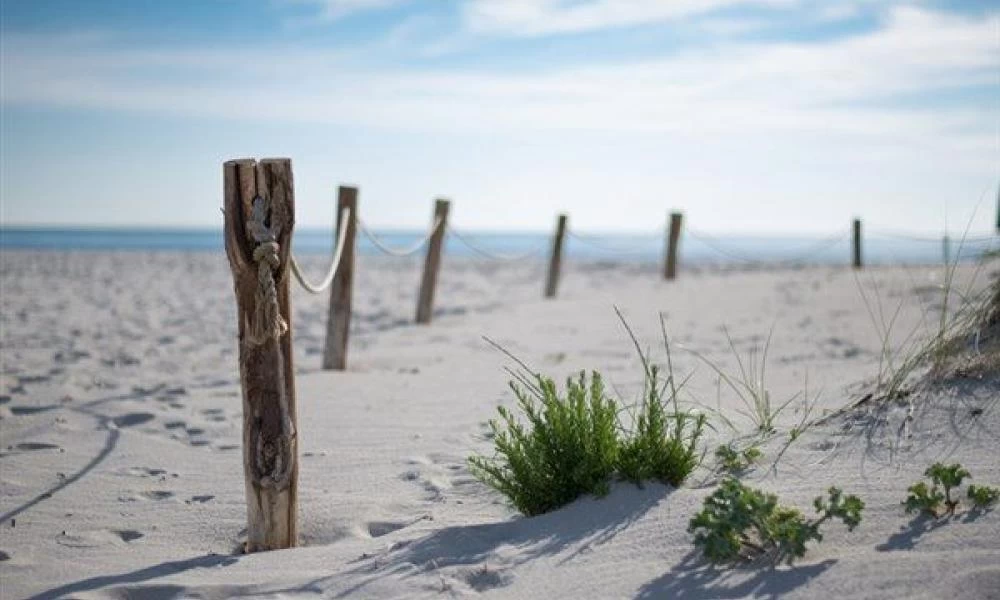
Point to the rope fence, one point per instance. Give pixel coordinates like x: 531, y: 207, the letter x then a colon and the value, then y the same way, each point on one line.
x: 339, y: 275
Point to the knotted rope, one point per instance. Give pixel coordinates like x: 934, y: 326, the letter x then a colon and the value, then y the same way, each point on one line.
x: 267, y: 322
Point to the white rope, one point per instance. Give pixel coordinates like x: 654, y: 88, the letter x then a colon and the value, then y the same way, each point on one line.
x: 806, y: 254
x: 345, y: 218
x: 492, y: 255
x: 591, y: 241
x: 407, y: 251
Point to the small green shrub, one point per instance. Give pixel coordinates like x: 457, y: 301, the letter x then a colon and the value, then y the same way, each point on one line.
x: 738, y: 523
x: 930, y: 499
x: 569, y: 448
x: 734, y: 461
x: 983, y: 496
x: 573, y: 445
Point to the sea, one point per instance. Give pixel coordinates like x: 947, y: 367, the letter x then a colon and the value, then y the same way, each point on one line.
x: 696, y: 247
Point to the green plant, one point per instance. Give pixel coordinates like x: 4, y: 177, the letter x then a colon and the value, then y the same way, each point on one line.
x: 569, y: 448
x: 930, y: 499
x: 738, y: 523
x: 572, y: 444
x: 983, y: 496
x: 662, y: 445
x: 733, y: 461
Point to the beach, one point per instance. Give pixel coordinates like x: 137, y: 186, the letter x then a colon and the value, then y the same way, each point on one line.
x: 121, y: 473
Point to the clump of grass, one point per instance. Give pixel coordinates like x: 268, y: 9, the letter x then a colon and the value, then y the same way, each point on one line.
x: 742, y: 524
x: 571, y: 444
x: 568, y: 448
x: 663, y: 445
x: 983, y: 496
x: 749, y: 385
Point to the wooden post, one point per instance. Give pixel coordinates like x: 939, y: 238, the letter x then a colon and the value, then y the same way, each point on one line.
x: 338, y: 321
x: 556, y: 260
x: 425, y: 301
x: 946, y: 247
x: 259, y: 205
x: 857, y: 243
x: 670, y: 263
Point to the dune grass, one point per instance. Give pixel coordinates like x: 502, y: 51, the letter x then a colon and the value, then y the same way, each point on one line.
x: 565, y: 444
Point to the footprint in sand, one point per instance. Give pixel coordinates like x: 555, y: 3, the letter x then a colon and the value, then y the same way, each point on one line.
x: 486, y: 578
x: 33, y: 446
x: 31, y: 410
x: 128, y: 535
x: 4, y: 556
x: 132, y: 419
x: 199, y: 499
x: 155, y: 495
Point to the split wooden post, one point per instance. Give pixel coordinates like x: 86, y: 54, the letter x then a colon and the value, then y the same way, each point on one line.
x: 673, y: 239
x: 857, y: 244
x: 555, y: 262
x: 425, y: 301
x: 338, y: 321
x: 259, y: 205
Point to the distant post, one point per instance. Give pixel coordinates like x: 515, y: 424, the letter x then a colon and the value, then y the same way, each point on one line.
x: 259, y: 205
x: 556, y: 259
x: 857, y: 243
x: 946, y: 248
x: 338, y: 321
x: 425, y: 301
x: 673, y: 239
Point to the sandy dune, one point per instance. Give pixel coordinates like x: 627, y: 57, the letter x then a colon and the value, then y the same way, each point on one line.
x: 121, y: 476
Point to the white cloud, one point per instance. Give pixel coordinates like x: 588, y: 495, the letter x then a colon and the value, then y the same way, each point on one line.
x: 544, y: 17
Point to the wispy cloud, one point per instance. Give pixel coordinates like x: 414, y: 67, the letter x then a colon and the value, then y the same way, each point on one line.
x: 544, y: 17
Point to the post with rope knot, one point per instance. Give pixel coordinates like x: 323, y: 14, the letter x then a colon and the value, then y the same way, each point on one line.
x: 259, y: 207
x: 338, y: 321
x: 673, y: 240
x: 432, y: 264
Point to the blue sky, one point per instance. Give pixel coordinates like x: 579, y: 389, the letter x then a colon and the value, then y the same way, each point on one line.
x: 751, y: 116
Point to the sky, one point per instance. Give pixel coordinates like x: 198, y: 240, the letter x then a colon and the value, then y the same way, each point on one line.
x: 750, y: 116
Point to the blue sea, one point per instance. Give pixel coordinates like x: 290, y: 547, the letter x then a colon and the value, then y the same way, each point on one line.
x: 696, y: 247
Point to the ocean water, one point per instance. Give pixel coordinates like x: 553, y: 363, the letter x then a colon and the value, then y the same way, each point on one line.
x: 695, y: 248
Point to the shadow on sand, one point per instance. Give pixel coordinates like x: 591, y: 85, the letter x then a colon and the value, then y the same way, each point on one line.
x: 696, y: 579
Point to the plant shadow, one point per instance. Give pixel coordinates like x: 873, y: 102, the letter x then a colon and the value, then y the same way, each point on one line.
x: 568, y: 531
x: 911, y: 533
x: 697, y: 579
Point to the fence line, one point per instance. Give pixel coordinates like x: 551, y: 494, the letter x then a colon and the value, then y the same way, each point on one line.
x: 334, y: 265
x: 807, y: 253
x: 592, y: 241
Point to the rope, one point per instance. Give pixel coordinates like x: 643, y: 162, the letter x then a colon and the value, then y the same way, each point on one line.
x: 809, y: 252
x: 892, y: 235
x: 409, y: 250
x: 345, y: 218
x: 590, y: 241
x: 488, y: 254
x: 267, y: 323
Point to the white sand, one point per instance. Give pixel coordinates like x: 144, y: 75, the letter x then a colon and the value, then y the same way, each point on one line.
x: 121, y: 475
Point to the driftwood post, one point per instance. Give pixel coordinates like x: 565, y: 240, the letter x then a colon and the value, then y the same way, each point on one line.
x: 556, y: 260
x: 857, y: 243
x: 425, y: 301
x: 259, y: 204
x: 670, y: 263
x: 338, y: 320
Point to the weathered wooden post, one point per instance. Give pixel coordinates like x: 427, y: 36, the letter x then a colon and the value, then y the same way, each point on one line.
x: 555, y: 262
x: 338, y: 321
x: 670, y: 262
x: 857, y: 243
x: 259, y: 205
x: 425, y: 301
